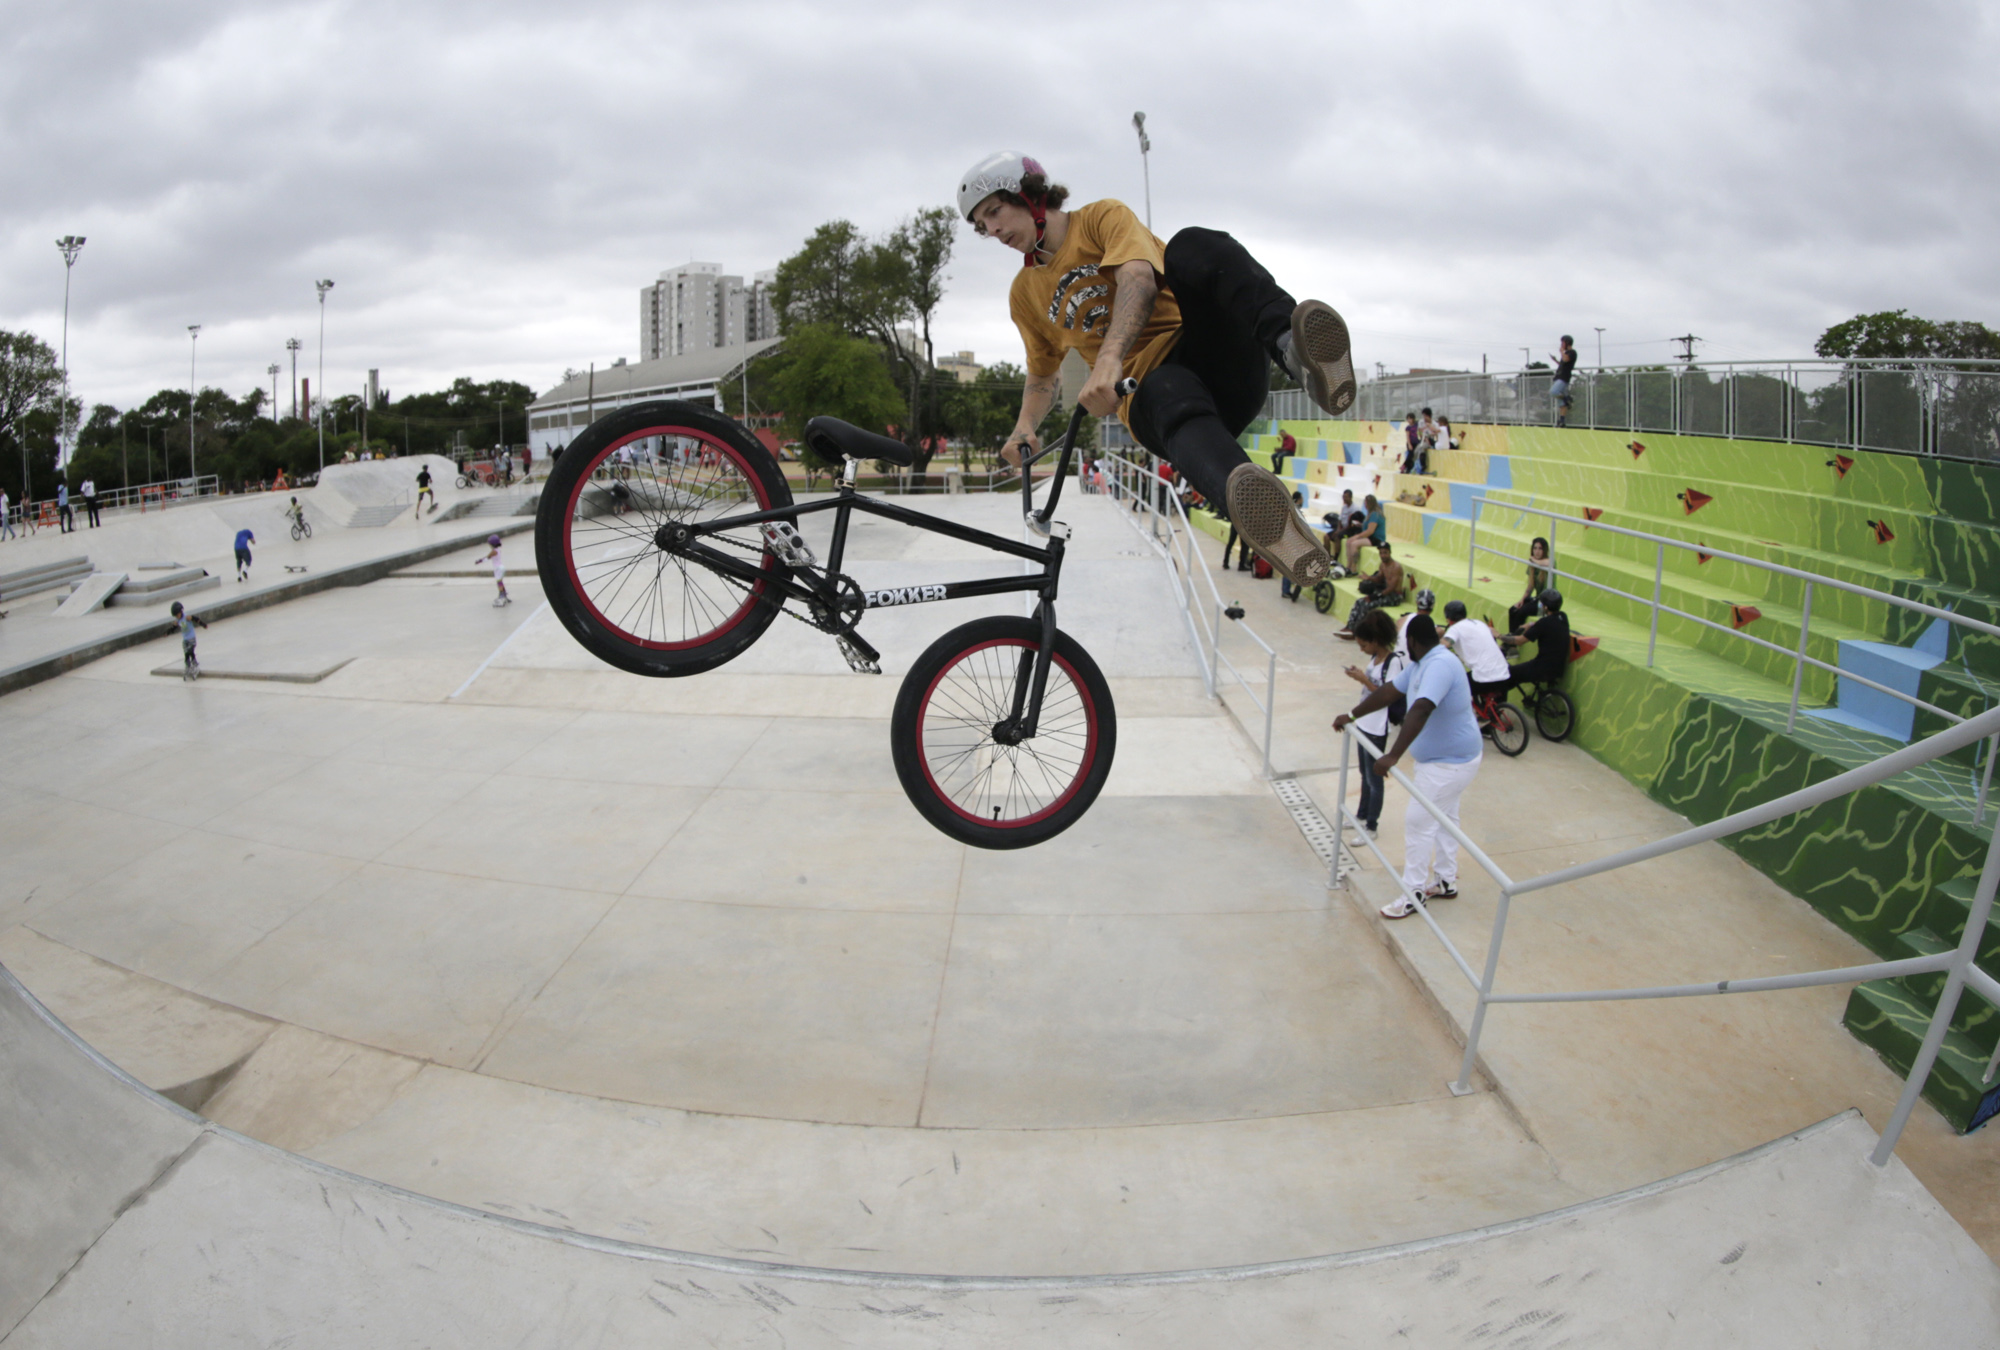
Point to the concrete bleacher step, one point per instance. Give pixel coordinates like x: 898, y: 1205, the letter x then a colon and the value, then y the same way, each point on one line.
x: 1975, y: 1017
x: 376, y: 516
x: 159, y: 589
x: 1891, y: 1020
x: 43, y: 577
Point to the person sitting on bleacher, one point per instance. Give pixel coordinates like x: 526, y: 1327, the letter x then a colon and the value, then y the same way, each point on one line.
x: 1525, y: 609
x: 1287, y: 447
x: 1551, y: 637
x: 1374, y: 532
x: 1384, y: 587
x: 1413, y: 436
x: 1472, y: 641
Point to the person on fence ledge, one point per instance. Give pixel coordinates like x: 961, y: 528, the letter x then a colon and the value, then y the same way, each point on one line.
x: 1551, y: 637
x: 1538, y: 581
x: 1441, y: 735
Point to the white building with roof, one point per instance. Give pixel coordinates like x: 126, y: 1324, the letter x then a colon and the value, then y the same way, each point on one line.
x: 556, y: 417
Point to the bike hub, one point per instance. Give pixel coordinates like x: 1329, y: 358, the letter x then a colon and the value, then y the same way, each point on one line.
x: 674, y: 537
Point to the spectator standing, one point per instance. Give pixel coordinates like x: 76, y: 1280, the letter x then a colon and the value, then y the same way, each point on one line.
x: 1287, y: 588
x: 90, y: 502
x: 1413, y: 436
x: 64, y: 516
x: 507, y: 466
x: 244, y: 539
x: 1441, y: 735
x: 527, y: 462
x: 1559, y: 386
x: 6, y: 518
x: 1376, y: 637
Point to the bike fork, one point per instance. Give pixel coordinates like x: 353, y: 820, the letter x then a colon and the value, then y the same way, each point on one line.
x: 1032, y: 679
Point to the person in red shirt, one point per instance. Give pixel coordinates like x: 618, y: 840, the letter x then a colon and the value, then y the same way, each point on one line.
x: 1196, y: 321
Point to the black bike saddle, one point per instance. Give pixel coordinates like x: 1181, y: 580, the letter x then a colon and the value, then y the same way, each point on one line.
x: 834, y: 438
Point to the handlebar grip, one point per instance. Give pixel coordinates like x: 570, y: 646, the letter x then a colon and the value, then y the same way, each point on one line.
x: 1125, y: 387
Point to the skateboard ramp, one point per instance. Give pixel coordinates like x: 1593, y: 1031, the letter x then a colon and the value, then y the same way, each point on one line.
x: 133, y: 1222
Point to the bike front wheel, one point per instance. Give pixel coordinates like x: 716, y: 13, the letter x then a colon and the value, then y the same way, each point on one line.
x: 1510, y: 729
x: 948, y: 735
x: 600, y: 528
x: 1323, y: 595
x: 1555, y: 715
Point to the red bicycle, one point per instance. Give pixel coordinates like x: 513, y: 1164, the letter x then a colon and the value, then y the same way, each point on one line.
x: 1502, y: 722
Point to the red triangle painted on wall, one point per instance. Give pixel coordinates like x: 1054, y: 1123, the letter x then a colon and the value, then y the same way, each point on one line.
x: 1694, y: 500
x: 1637, y: 448
x: 1883, y: 534
x: 1592, y: 512
x: 1840, y: 464
x: 1741, y: 616
x: 1580, y: 647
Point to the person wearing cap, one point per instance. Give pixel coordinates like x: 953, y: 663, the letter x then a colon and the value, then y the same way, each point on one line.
x: 1384, y: 586
x: 499, y: 571
x: 1440, y: 734
x: 1425, y: 601
x: 1196, y: 321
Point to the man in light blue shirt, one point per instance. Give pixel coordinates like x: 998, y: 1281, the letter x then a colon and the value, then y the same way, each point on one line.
x: 1441, y: 735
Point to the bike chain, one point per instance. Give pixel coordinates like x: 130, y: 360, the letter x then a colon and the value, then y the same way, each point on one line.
x: 778, y: 602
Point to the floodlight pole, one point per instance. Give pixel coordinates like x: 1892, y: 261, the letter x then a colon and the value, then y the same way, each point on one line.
x: 1145, y: 164
x: 292, y: 345
x: 194, y: 337
x: 322, y: 287
x: 273, y: 373
x: 71, y: 245
x: 1600, y: 349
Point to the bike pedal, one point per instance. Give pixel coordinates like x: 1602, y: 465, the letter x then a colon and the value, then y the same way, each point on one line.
x: 861, y: 659
x: 790, y: 546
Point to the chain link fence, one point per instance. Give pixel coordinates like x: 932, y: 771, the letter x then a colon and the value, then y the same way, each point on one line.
x: 1949, y: 409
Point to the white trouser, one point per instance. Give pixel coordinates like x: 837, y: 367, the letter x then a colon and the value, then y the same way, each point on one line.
x: 1444, y: 784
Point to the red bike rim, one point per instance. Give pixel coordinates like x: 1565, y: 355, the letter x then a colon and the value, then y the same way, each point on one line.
x: 1086, y: 759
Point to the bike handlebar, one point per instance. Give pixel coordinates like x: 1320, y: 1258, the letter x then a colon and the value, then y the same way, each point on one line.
x: 1040, y: 519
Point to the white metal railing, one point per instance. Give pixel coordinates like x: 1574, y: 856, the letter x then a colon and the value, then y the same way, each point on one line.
x: 1959, y: 965
x: 145, y: 496
x: 1133, y: 478
x: 1799, y: 656
x: 1946, y: 408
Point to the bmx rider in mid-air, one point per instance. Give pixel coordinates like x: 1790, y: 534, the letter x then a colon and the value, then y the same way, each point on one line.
x: 1195, y: 320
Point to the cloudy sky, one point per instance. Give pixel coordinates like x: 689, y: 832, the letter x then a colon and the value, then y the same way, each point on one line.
x: 489, y: 185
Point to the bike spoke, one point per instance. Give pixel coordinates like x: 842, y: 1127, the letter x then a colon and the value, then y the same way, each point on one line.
x: 990, y: 781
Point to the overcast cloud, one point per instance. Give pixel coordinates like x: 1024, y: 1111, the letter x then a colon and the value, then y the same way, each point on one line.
x: 489, y: 185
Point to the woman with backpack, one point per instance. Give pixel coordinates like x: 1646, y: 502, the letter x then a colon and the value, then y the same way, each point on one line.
x: 1376, y: 635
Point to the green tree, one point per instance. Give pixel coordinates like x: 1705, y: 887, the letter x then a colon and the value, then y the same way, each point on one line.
x: 1896, y: 334
x: 832, y: 373
x: 30, y: 413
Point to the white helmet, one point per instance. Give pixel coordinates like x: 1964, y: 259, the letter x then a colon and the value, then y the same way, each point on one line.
x: 1001, y: 171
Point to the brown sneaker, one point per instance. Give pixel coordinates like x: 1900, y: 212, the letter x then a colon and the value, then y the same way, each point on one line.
x: 1260, y: 506
x: 1323, y: 355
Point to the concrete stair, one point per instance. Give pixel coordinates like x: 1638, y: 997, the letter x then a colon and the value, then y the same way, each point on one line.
x: 156, y: 590
x: 46, y: 577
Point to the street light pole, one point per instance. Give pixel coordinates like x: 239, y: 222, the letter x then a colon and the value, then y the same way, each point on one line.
x: 322, y: 287
x: 194, y: 336
x: 1600, y: 349
x: 1145, y: 165
x: 71, y: 245
x: 292, y: 346
x: 273, y: 373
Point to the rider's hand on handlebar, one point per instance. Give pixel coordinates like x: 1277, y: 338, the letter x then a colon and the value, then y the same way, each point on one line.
x: 1011, y: 451
x: 1099, y: 395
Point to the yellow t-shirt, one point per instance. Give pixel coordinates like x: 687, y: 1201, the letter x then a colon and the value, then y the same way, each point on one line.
x: 1067, y: 302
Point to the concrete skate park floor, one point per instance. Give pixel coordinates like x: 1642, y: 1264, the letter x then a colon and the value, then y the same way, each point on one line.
x: 674, y: 961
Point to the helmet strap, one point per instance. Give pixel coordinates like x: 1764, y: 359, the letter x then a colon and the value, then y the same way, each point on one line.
x: 1039, y: 210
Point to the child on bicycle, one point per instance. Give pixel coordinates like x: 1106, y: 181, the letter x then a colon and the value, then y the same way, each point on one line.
x: 1196, y: 321
x: 295, y: 513
x: 499, y: 570
x: 187, y: 622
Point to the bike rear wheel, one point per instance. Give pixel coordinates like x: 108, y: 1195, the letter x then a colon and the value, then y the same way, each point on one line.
x: 956, y: 770
x: 625, y: 598
x: 1555, y: 715
x: 1510, y: 729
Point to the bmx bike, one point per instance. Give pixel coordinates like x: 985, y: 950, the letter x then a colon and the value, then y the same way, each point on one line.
x: 301, y: 528
x: 1555, y: 714
x: 667, y: 541
x: 1501, y: 722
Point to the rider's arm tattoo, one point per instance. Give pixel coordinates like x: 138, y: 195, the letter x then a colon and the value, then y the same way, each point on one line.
x: 1038, y: 395
x: 1137, y: 290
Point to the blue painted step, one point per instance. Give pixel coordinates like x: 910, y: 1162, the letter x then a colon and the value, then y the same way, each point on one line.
x: 1898, y: 668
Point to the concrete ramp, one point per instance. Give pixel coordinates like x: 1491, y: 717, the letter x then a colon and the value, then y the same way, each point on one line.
x: 90, y: 594
x: 130, y: 1221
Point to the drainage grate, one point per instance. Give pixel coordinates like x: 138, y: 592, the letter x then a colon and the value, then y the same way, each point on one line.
x: 1311, y: 822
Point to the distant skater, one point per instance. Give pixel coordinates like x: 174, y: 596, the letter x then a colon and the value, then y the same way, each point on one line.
x: 424, y: 489
x: 187, y: 623
x: 244, y: 539
x: 499, y: 570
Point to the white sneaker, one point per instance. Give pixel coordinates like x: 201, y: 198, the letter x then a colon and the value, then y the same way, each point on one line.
x: 1402, y: 909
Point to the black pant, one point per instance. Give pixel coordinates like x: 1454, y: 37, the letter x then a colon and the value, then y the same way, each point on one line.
x: 1191, y: 409
x: 67, y: 519
x: 1370, y: 809
x: 1235, y: 544
x: 90, y: 509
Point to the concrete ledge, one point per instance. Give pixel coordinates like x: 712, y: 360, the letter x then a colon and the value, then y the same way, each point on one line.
x: 273, y: 676
x: 40, y: 668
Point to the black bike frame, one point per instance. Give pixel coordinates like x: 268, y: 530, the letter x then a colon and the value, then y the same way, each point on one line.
x: 803, y: 587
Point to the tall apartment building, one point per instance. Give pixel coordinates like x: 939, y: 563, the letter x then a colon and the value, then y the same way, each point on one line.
x: 696, y: 307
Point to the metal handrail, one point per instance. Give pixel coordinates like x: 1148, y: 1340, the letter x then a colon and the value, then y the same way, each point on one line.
x: 1139, y: 482
x: 1960, y: 965
x: 1800, y: 657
